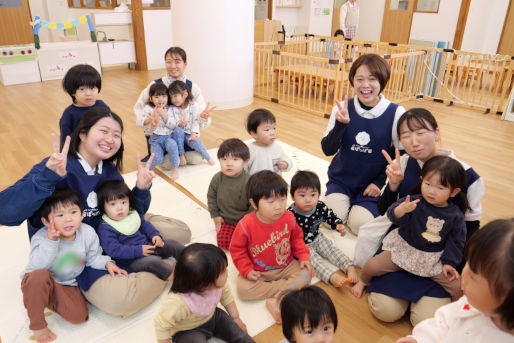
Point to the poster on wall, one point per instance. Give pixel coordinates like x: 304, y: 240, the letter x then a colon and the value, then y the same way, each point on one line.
x: 68, y: 55
x: 55, y: 68
x: 10, y: 3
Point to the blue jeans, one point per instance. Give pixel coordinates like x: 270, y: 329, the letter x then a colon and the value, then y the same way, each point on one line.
x: 159, y: 146
x: 195, y: 145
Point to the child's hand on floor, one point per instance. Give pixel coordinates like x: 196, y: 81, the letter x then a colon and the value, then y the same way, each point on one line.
x: 341, y: 228
x: 406, y: 340
x: 112, y: 268
x: 282, y: 165
x: 217, y: 222
x: 148, y: 249
x: 307, y: 265
x: 52, y: 233
x: 449, y: 270
x: 253, y: 275
x: 157, y: 241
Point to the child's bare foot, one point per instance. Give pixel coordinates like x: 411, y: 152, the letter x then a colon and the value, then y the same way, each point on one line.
x: 182, y: 160
x: 358, y: 289
x: 338, y: 280
x: 352, y: 274
x: 44, y: 335
x: 174, y: 173
x: 273, y: 307
x: 211, y: 161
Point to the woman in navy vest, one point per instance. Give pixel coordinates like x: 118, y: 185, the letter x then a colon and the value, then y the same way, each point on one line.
x: 357, y: 131
x: 391, y: 294
x: 95, y: 154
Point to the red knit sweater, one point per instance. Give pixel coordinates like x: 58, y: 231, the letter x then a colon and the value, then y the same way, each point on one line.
x: 260, y: 246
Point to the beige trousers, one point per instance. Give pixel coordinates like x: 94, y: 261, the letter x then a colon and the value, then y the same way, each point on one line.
x: 352, y: 216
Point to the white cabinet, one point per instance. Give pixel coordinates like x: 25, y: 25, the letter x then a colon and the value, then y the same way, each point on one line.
x: 114, y: 50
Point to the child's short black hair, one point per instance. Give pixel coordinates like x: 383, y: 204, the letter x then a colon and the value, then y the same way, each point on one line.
x: 265, y: 184
x: 234, y: 147
x: 60, y: 197
x: 81, y: 75
x: 157, y: 88
x: 305, y: 179
x: 257, y: 117
x: 198, y: 266
x: 179, y: 87
x: 490, y: 253
x: 175, y: 50
x: 108, y: 190
x: 339, y: 32
x: 311, y: 303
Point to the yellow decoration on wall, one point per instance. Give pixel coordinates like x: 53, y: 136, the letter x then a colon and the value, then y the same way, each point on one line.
x: 52, y: 25
x: 68, y: 25
x: 83, y: 19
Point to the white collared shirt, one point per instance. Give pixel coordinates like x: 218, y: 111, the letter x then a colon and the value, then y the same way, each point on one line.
x: 87, y: 168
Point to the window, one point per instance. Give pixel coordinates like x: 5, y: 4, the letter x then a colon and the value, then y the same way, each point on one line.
x: 430, y: 6
x: 101, y: 4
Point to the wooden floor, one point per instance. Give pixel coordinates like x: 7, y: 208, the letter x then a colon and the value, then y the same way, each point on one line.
x: 30, y: 112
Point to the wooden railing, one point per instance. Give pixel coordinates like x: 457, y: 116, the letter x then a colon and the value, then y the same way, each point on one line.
x: 309, y: 72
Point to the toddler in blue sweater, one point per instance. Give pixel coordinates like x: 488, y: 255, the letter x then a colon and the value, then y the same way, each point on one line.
x: 128, y: 238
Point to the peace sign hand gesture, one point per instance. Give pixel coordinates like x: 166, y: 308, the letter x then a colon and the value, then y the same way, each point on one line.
x: 57, y: 160
x: 207, y: 112
x: 405, y: 207
x: 393, y: 170
x: 144, y: 174
x: 52, y: 233
x: 342, y: 115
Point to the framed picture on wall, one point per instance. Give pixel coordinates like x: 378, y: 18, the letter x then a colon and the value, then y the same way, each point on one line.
x: 430, y: 6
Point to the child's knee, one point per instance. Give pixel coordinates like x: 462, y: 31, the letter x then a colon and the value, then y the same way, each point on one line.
x: 37, y: 277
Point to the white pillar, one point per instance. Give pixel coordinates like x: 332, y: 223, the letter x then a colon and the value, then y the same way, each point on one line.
x: 218, y: 39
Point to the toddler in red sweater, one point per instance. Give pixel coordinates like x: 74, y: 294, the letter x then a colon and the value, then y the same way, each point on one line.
x: 265, y: 243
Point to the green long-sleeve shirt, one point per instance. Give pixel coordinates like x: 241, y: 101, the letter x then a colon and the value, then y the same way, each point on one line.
x: 227, y: 197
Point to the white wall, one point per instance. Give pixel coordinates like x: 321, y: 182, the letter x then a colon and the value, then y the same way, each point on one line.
x: 320, y: 24
x: 158, y: 36
x: 439, y: 26
x: 371, y: 14
x: 484, y: 25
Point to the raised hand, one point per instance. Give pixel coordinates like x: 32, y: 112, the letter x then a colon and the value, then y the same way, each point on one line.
x: 148, y: 249
x: 341, y: 229
x: 144, y: 174
x: 58, y: 159
x: 393, y: 170
x: 157, y: 241
x: 155, y: 117
x: 206, y: 113
x: 342, y: 115
x: 450, y: 271
x: 183, y: 120
x: 52, y: 233
x: 372, y: 191
x: 405, y: 207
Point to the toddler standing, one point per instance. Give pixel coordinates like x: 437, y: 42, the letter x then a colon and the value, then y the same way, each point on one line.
x: 485, y: 312
x: 189, y: 312
x: 431, y: 235
x: 266, y: 242
x: 309, y: 213
x: 127, y: 237
x: 227, y: 198
x: 265, y: 153
x: 187, y: 115
x: 83, y: 83
x: 58, y: 254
